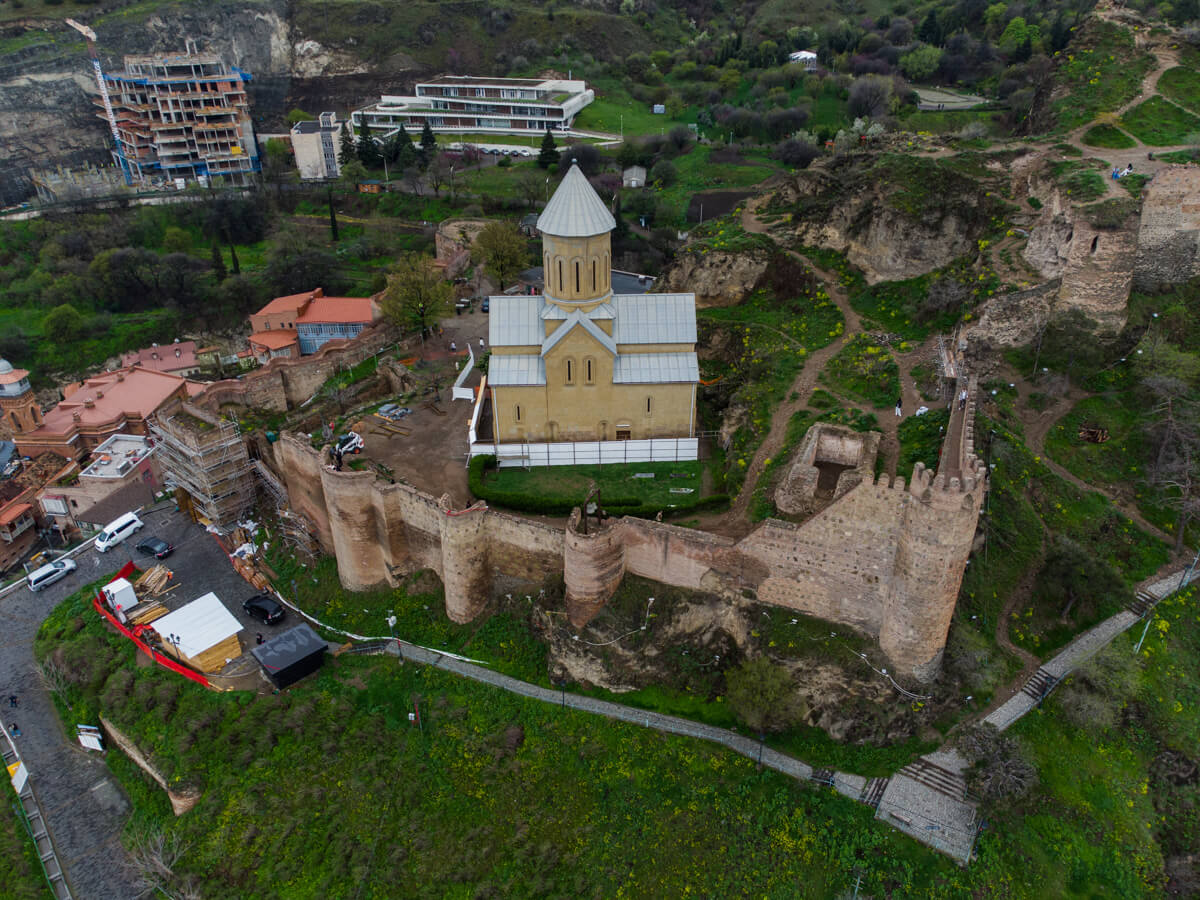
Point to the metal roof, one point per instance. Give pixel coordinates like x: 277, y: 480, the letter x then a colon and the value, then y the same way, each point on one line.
x: 656, y: 368
x: 578, y: 318
x: 575, y: 210
x: 505, y: 370
x: 203, y: 623
x: 514, y: 321
x: 655, y: 318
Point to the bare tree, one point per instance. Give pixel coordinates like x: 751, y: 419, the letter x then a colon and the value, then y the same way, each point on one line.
x: 154, y: 854
x: 438, y: 173
x: 531, y: 185
x: 413, y: 177
x: 1000, y: 768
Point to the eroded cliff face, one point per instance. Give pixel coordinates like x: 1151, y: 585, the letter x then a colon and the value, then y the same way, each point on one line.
x: 716, y: 278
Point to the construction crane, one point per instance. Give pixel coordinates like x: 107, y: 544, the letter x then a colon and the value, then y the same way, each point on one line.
x: 90, y: 35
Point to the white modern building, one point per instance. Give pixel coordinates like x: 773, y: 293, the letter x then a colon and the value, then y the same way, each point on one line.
x: 463, y: 104
x: 315, y: 144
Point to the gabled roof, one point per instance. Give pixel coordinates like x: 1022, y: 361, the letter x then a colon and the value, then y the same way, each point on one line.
x: 516, y: 370
x: 325, y: 310
x: 578, y: 318
x: 290, y: 303
x: 514, y: 321
x: 274, y: 340
x: 655, y: 318
x: 656, y: 368
x: 203, y: 623
x: 575, y: 210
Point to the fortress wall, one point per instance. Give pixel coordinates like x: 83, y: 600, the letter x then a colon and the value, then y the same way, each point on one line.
x: 525, y: 549
x: 838, y: 564
x: 1168, y: 240
x: 466, y: 573
x: 410, y: 529
x: 670, y: 554
x: 349, y: 498
x: 301, y: 465
x: 1099, y: 274
x: 593, y: 566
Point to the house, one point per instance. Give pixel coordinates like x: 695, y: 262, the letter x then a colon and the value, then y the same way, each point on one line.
x: 806, y: 58
x: 182, y: 116
x: 203, y: 634
x: 123, y: 474
x: 19, y: 513
x: 99, y: 407
x: 528, y: 226
x: 301, y: 323
x: 579, y: 362
x: 315, y: 145
x: 461, y: 104
x: 179, y: 358
x: 634, y: 177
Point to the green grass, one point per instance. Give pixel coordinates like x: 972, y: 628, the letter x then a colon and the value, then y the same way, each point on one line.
x: 698, y: 173
x: 1108, y: 137
x: 1102, y: 71
x: 21, y: 876
x: 1080, y: 179
x: 614, y: 111
x: 1159, y: 123
x: 1181, y: 85
x: 570, y: 484
x: 864, y: 370
x: 921, y: 441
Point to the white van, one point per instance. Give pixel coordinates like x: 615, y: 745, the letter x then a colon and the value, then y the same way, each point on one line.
x: 117, y: 530
x: 50, y: 573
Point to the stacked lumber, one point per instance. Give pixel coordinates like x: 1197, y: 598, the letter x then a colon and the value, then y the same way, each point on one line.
x: 153, y: 582
x: 147, y: 612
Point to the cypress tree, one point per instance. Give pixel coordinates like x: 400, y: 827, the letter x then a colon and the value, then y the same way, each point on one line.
x: 428, y: 145
x: 406, y: 153
x: 347, y: 151
x: 549, y: 154
x: 218, y: 262
x: 368, y: 150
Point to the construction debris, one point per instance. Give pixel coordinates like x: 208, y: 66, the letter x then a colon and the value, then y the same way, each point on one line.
x: 153, y: 582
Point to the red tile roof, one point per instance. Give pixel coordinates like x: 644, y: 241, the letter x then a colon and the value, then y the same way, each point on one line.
x: 338, y: 309
x: 275, y: 340
x: 134, y: 390
x: 13, y: 513
x: 13, y: 376
x: 290, y: 303
x: 166, y: 358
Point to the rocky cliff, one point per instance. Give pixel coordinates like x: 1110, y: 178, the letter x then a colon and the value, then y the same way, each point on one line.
x: 716, y: 278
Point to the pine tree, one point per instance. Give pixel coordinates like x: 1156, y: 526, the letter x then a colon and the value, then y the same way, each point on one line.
x: 347, y: 151
x: 406, y: 153
x: 549, y: 154
x: 428, y: 145
x: 368, y: 150
x: 218, y: 262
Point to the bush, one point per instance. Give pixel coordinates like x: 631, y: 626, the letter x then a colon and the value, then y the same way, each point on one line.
x: 664, y: 172
x: 797, y: 153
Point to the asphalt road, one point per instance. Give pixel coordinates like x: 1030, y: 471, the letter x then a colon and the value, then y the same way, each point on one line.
x: 84, y: 805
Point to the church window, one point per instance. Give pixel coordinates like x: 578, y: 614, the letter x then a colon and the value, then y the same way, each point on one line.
x: 560, y: 277
x: 593, y: 274
x: 577, y: 276
x: 517, y: 412
x: 647, y: 406
x: 589, y: 371
x: 570, y: 371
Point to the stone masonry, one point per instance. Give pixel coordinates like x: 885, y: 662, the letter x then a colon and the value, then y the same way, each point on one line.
x: 1168, y: 241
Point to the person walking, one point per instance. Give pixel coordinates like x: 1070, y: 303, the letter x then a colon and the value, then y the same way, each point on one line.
x: 453, y: 347
x: 899, y: 407
x: 259, y: 639
x: 15, y: 729
x: 13, y: 702
x: 481, y: 345
x: 962, y: 399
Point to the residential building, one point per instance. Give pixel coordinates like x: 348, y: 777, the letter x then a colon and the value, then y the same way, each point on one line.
x: 183, y: 116
x: 99, y: 407
x: 634, y: 177
x: 179, y: 358
x: 123, y: 474
x: 461, y: 104
x: 579, y: 362
x: 20, y: 516
x: 18, y: 407
x: 302, y: 323
x: 315, y: 145
x: 806, y: 58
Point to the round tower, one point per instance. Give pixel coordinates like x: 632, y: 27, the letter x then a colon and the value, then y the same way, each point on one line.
x: 576, y: 231
x: 18, y: 407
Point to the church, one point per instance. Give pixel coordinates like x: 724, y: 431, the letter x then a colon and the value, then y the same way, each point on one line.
x: 578, y: 362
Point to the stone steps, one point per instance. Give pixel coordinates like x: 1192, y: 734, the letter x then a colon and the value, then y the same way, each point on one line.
x: 1142, y: 603
x: 1039, y: 685
x: 873, y: 792
x: 938, y: 778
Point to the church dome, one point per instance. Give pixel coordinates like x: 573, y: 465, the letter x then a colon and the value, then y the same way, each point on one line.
x: 5, y: 367
x: 575, y: 210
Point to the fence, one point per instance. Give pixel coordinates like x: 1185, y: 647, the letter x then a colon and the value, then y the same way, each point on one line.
x: 576, y: 453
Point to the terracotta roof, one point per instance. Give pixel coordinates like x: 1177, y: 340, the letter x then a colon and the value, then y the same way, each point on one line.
x: 12, y: 376
x: 274, y: 340
x: 166, y: 358
x: 13, y: 513
x: 290, y: 303
x: 338, y: 309
x: 134, y: 390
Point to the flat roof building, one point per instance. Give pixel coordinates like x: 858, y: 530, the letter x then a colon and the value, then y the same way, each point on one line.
x: 315, y: 144
x: 461, y: 104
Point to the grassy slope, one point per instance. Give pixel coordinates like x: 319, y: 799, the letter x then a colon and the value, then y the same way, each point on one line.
x: 20, y: 874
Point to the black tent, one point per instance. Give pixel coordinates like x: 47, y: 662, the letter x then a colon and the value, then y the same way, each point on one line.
x: 290, y: 656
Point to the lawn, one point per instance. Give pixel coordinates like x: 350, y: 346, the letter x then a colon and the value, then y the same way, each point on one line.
x: 921, y: 441
x: 1102, y: 72
x: 697, y: 173
x: 1080, y: 179
x: 1160, y: 123
x: 1108, y: 137
x: 1181, y: 85
x: 865, y: 371
x: 615, y: 112
x: 21, y: 875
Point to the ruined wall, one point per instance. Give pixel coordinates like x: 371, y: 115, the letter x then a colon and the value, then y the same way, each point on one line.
x: 1098, y: 274
x: 1012, y: 319
x: 285, y: 383
x: 593, y: 566
x: 797, y: 490
x: 181, y: 800
x: 1168, y: 249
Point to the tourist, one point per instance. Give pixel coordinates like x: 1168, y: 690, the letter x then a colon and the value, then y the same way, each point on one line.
x: 16, y: 731
x: 13, y: 702
x: 962, y: 399
x: 453, y: 347
x: 481, y: 343
x: 899, y: 407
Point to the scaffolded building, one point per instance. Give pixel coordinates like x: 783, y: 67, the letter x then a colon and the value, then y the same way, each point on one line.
x: 183, y: 117
x: 204, y: 458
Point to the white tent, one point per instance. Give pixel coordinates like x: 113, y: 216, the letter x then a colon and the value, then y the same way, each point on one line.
x: 201, y: 625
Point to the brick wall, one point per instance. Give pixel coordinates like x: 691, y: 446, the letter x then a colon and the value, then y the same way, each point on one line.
x: 1168, y: 250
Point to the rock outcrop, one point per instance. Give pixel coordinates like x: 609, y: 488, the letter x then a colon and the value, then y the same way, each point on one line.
x: 717, y: 278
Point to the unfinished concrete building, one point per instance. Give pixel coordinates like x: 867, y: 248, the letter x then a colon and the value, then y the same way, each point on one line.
x: 204, y: 458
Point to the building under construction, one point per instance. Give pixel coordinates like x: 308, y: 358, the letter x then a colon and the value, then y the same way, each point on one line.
x: 204, y: 458
x: 184, y: 116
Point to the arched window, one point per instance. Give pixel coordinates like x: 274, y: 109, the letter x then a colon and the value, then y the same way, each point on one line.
x: 648, y: 406
x: 560, y: 277
x: 1095, y: 243
x: 577, y: 276
x: 607, y: 271
x: 593, y: 273
x: 517, y: 412
x: 589, y: 373
x: 570, y: 371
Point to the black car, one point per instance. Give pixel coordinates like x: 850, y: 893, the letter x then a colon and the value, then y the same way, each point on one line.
x: 265, y: 608
x: 156, y: 547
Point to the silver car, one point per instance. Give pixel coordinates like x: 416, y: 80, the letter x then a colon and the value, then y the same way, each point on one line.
x: 50, y: 573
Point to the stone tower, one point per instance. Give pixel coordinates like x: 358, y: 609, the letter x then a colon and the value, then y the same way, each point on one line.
x: 576, y: 231
x: 18, y: 408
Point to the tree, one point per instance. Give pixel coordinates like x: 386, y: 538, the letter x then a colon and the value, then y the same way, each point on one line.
x: 531, y: 186
x: 277, y: 163
x: 176, y: 240
x: 586, y: 155
x: 664, y: 173
x: 218, y: 261
x: 549, y: 152
x: 353, y: 174
x: 428, y: 145
x: 1000, y: 770
x: 297, y: 263
x: 869, y: 97
x: 416, y: 295
x: 346, y: 151
x: 921, y: 63
x: 368, y: 150
x: 762, y: 695
x: 502, y: 249
x: 797, y: 153
x: 65, y: 322
x: 333, y: 223
x: 438, y: 174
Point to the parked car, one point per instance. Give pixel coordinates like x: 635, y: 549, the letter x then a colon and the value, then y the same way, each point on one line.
x: 265, y: 608
x: 156, y: 547
x: 50, y: 573
x: 116, y: 531
x: 485, y: 305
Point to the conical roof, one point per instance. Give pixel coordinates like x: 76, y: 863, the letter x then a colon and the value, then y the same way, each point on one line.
x: 575, y: 210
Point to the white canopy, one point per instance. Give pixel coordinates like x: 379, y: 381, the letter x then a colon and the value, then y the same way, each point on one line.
x: 201, y: 624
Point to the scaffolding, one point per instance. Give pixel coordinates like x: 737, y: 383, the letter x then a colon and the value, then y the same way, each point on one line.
x: 205, y: 457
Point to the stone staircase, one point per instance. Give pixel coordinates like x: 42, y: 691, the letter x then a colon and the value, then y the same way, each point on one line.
x: 937, y: 778
x: 873, y: 792
x: 1142, y: 603
x: 36, y: 824
x: 1041, y: 684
